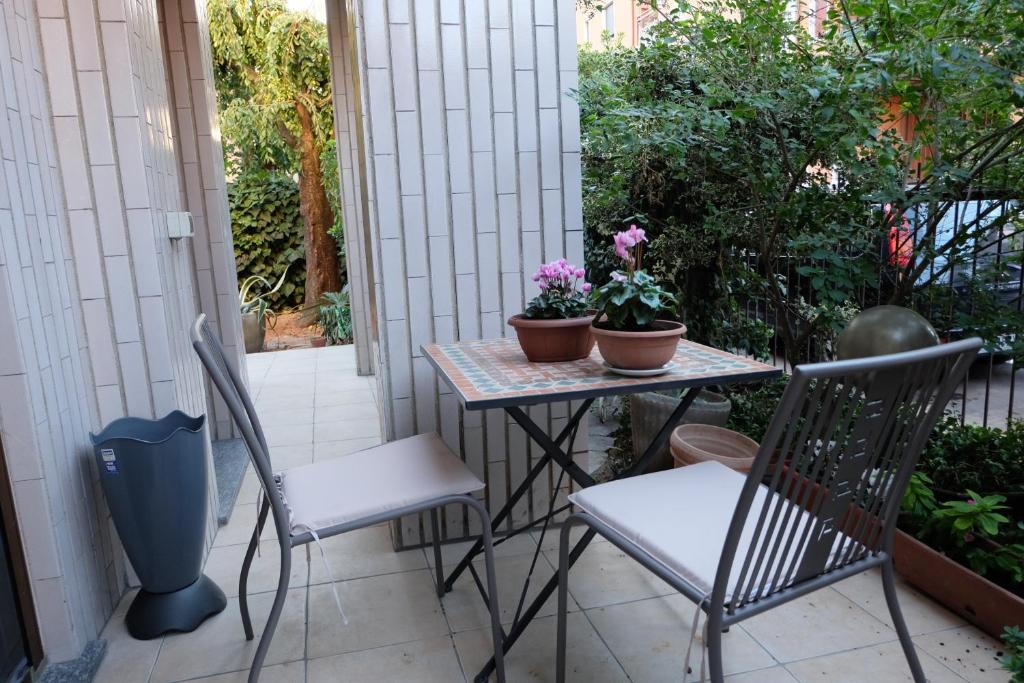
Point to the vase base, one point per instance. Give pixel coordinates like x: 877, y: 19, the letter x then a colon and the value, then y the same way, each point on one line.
x: 650, y: 372
x: 154, y: 614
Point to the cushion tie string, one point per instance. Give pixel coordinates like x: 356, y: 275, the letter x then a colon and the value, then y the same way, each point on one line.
x: 693, y: 636
x: 316, y: 539
x: 327, y: 566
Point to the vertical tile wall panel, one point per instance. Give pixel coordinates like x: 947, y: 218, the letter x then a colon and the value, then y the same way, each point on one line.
x: 471, y: 183
x: 99, y: 300
x: 192, y: 115
x: 46, y: 397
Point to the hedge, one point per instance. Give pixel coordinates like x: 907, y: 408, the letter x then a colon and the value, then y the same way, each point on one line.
x: 268, y: 233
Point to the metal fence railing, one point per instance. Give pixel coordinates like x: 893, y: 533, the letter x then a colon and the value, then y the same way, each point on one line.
x: 979, y: 291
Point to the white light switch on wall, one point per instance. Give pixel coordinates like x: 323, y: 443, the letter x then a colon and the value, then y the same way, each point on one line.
x: 179, y: 224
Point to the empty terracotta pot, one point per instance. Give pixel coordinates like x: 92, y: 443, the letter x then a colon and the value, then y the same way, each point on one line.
x: 553, y: 341
x: 694, y: 443
x: 645, y: 350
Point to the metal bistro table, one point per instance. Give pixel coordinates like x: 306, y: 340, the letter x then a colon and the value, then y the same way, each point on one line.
x: 494, y: 373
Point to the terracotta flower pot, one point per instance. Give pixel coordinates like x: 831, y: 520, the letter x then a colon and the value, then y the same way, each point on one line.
x: 318, y: 342
x: 649, y: 411
x: 981, y: 602
x: 554, y: 341
x: 694, y: 443
x: 645, y: 350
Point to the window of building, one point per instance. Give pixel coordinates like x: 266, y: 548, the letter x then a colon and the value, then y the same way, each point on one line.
x: 609, y: 17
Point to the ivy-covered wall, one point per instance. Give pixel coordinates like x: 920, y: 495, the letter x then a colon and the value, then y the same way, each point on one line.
x: 268, y: 233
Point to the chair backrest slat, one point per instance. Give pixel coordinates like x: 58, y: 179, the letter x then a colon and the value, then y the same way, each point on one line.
x: 835, y: 463
x: 235, y: 394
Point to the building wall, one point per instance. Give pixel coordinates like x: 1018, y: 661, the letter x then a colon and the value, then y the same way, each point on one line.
x: 200, y: 159
x: 472, y: 162
x: 626, y: 20
x: 95, y: 300
x: 350, y: 145
x: 45, y: 383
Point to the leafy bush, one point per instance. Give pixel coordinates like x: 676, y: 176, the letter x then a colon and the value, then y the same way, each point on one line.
x: 273, y: 78
x: 758, y: 158
x: 753, y: 406
x: 268, y: 233
x: 960, y: 457
x: 965, y: 500
x: 334, y: 317
x: 1013, y: 659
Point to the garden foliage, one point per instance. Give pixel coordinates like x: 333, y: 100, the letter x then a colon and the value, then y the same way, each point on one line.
x: 267, y: 231
x: 967, y: 499
x: 273, y: 79
x: 334, y: 317
x: 1013, y: 659
x: 759, y: 158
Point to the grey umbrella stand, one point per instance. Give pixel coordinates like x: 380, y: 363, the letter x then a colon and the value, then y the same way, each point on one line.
x: 154, y: 477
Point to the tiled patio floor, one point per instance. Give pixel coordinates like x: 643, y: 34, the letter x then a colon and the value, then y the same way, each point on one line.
x: 625, y: 625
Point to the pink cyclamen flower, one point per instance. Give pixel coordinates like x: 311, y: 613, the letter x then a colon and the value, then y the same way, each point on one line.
x: 618, y: 277
x: 968, y: 537
x: 586, y: 287
x: 622, y: 246
x: 580, y: 273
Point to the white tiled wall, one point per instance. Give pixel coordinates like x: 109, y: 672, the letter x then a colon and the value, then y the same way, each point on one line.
x: 358, y: 240
x: 45, y: 389
x: 471, y: 150
x: 95, y: 300
x: 203, y: 190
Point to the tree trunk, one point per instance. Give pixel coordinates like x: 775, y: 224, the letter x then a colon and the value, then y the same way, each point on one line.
x: 322, y: 272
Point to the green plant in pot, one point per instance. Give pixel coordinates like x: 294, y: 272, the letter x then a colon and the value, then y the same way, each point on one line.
x: 631, y: 331
x: 555, y: 326
x: 334, y: 317
x: 256, y: 311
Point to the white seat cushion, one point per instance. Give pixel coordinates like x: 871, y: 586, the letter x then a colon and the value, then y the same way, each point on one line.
x: 374, y: 481
x: 681, y: 517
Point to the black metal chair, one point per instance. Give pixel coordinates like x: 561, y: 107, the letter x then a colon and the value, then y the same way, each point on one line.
x: 819, y: 505
x: 328, y: 498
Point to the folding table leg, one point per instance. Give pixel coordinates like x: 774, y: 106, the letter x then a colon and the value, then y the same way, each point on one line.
x: 637, y: 468
x: 536, y: 471
x: 528, y: 615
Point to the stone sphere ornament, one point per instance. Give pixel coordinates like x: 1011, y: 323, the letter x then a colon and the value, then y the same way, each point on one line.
x: 885, y: 329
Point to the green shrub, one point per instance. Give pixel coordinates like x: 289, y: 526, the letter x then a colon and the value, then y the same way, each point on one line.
x: 965, y: 499
x: 268, y: 233
x: 1013, y: 659
x: 960, y: 457
x: 334, y: 318
x: 759, y: 159
x: 753, y: 406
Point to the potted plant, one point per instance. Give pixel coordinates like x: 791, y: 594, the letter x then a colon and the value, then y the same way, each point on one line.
x: 255, y: 310
x: 961, y: 535
x: 630, y: 332
x: 334, y: 318
x: 555, y: 326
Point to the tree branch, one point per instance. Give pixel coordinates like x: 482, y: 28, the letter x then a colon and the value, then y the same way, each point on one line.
x: 286, y: 135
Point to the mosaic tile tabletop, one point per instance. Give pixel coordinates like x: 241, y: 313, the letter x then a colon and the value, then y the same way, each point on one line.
x: 492, y: 373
